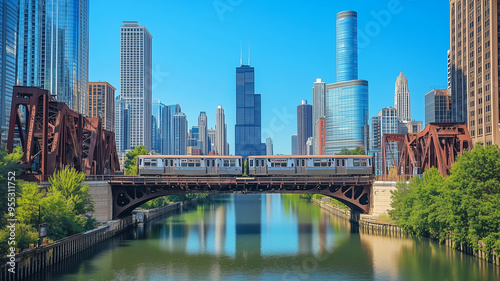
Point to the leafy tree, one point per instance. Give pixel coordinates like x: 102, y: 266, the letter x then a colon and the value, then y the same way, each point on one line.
x: 131, y: 159
x: 68, y: 182
x: 29, y: 203
x: 357, y: 151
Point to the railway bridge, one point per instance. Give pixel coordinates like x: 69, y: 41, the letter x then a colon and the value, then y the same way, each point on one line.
x: 129, y: 192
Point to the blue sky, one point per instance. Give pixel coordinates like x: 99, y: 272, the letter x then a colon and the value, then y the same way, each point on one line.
x: 196, y: 49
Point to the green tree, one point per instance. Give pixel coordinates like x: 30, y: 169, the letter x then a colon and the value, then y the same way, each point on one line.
x: 69, y: 183
x: 131, y: 159
x: 357, y: 151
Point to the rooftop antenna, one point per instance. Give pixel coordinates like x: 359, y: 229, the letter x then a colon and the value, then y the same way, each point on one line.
x: 248, y: 51
x: 241, y: 53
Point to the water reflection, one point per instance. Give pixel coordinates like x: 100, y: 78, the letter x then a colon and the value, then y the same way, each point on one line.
x: 267, y: 237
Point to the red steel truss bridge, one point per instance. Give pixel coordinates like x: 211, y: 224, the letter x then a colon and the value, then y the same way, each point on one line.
x: 53, y: 136
x: 436, y: 146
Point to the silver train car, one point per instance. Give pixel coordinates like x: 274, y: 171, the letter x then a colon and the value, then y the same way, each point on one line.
x: 189, y: 165
x: 310, y: 165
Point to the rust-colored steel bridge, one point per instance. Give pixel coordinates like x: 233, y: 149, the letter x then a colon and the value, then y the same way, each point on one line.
x: 131, y: 192
x: 53, y: 136
x: 436, y: 146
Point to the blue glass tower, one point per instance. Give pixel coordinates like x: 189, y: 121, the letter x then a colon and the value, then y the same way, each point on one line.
x: 53, y: 49
x: 346, y: 107
x: 248, y: 122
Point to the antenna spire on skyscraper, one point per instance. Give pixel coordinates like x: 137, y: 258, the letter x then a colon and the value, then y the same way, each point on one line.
x: 241, y: 53
x: 248, y: 51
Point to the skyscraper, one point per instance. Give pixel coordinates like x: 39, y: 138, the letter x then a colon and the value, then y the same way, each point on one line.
x: 158, y: 127
x: 346, y: 108
x: 248, y: 113
x: 474, y: 52
x: 102, y: 103
x: 53, y: 49
x: 318, y: 111
x: 211, y: 141
x: 385, y: 123
x: 168, y: 123
x: 304, y: 126
x: 180, y: 134
x: 320, y: 136
x: 135, y: 80
x: 203, y: 136
x: 402, y: 98
x: 294, y: 144
x: 437, y: 106
x: 9, y: 12
x: 221, y: 132
x: 122, y: 125
x: 269, y: 146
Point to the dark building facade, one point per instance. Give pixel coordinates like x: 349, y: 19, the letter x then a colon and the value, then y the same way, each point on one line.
x: 248, y: 114
x: 304, y: 126
x: 437, y: 106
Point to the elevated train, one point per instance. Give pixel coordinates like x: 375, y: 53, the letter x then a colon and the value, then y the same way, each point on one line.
x: 276, y: 165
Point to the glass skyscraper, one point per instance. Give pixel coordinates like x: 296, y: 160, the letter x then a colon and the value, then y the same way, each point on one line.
x: 346, y: 108
x: 248, y: 112
x: 168, y: 139
x: 53, y: 49
x: 8, y: 36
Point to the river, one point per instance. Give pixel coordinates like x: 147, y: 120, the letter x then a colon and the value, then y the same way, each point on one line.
x: 265, y: 237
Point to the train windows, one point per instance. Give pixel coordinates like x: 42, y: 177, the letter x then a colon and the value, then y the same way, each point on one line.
x: 153, y: 162
x: 355, y: 163
x: 208, y: 163
x: 232, y: 163
x: 251, y: 162
x: 317, y: 163
x: 370, y: 162
x: 262, y: 162
x: 184, y: 163
x: 226, y: 163
x: 343, y: 163
x: 303, y: 163
x: 213, y: 162
x: 147, y: 163
x: 338, y: 162
x: 297, y: 162
x: 190, y: 164
x: 171, y: 162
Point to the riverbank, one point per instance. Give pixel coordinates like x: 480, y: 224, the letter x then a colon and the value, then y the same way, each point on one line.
x: 44, y: 257
x: 383, y: 228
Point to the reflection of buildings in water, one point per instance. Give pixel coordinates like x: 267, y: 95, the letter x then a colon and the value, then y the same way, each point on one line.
x: 385, y: 252
x: 305, y: 237
x: 220, y: 229
x: 269, y: 208
x: 248, y: 229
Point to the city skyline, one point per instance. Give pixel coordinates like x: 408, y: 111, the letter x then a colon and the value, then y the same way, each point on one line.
x: 175, y: 61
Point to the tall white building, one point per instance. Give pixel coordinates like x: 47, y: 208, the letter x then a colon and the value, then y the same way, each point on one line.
x: 180, y: 134
x: 135, y: 80
x: 318, y: 110
x: 203, y: 133
x: 269, y: 146
x: 402, y: 98
x: 220, y: 132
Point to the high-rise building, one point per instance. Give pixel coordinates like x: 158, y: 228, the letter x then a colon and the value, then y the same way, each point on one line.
x: 203, y: 136
x: 211, y: 135
x: 168, y: 113
x: 294, y: 144
x: 402, y: 98
x: 102, y: 103
x: 318, y: 111
x: 9, y: 12
x: 310, y: 146
x: 221, y: 132
x: 346, y: 109
x: 269, y: 146
x: 53, y: 49
x: 320, y: 136
x: 437, y: 106
x: 122, y: 125
x: 193, y: 137
x: 158, y: 127
x: 406, y: 127
x: 474, y: 53
x: 385, y: 123
x: 180, y: 134
x: 135, y: 80
x: 304, y: 126
x: 248, y: 113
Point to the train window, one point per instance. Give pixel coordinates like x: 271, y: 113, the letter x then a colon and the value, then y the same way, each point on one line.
x: 184, y: 163
x: 141, y: 162
x: 226, y: 163
x: 363, y: 163
x: 257, y: 162
x: 147, y: 163
x: 251, y: 162
x: 232, y: 163
x: 208, y: 163
x: 262, y: 162
x: 190, y: 164
x: 324, y: 163
x: 338, y: 162
x: 171, y: 162
x: 239, y: 162
x: 355, y: 163
x: 213, y: 162
x: 297, y: 162
x: 317, y: 163
x: 370, y: 162
x: 303, y: 163
x: 343, y: 163
x: 153, y: 162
